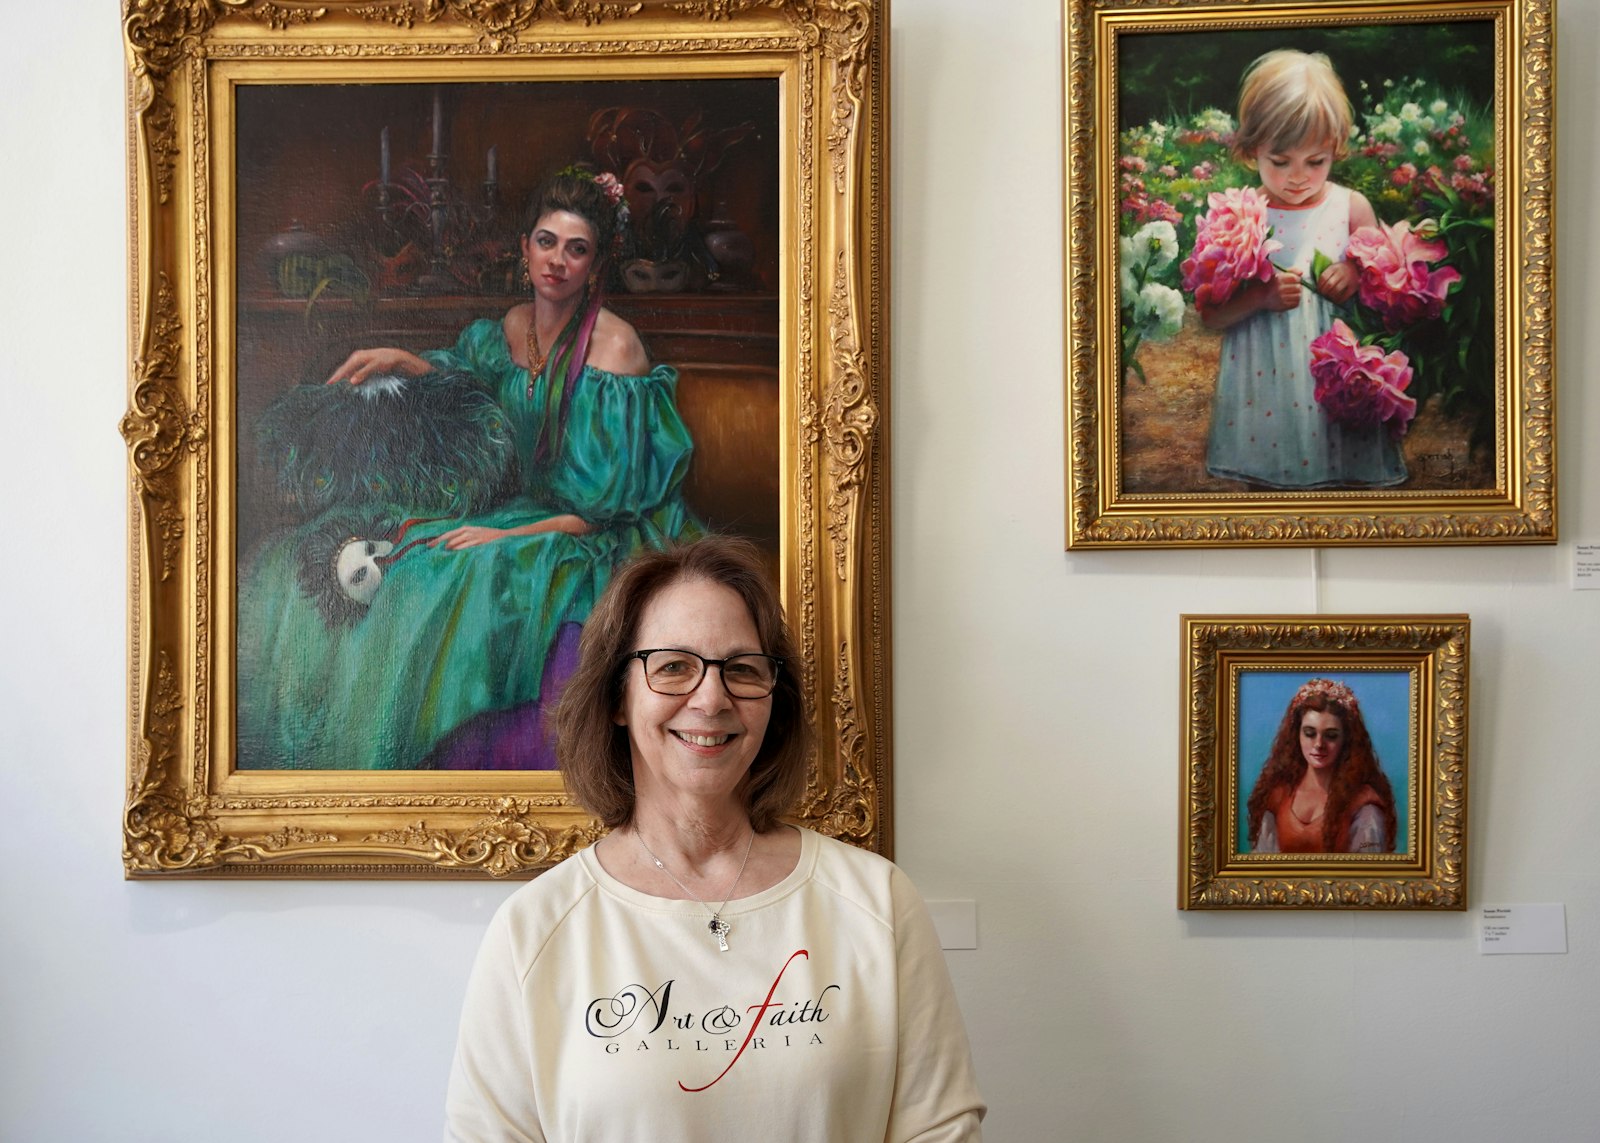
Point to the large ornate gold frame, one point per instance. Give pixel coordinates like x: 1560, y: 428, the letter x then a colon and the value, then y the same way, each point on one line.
x: 1519, y: 506
x: 189, y: 811
x: 1217, y: 651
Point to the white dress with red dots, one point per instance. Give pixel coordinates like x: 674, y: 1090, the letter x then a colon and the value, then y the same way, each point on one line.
x: 1266, y: 427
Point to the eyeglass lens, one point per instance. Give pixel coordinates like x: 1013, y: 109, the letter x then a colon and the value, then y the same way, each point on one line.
x: 679, y: 672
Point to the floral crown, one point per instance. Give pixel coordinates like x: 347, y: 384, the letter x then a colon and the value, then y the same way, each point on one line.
x: 612, y: 187
x: 1328, y: 689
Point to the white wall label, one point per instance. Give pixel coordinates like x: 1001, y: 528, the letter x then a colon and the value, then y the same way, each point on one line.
x: 1522, y: 929
x: 1586, y: 567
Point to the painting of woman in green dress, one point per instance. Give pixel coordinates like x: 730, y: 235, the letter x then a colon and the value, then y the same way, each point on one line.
x: 439, y: 641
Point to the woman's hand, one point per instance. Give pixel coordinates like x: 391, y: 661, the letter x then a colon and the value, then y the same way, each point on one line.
x: 363, y: 363
x: 467, y: 536
x: 471, y: 535
x: 1338, y: 282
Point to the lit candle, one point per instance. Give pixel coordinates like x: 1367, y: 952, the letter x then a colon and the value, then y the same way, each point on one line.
x: 494, y: 164
x: 383, y: 156
x: 438, y: 123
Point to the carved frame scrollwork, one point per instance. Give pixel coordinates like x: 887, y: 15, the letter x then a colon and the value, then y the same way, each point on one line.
x: 1429, y: 868
x: 189, y: 810
x: 1515, y: 504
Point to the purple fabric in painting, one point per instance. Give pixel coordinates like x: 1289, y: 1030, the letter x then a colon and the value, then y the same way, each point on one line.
x: 515, y: 739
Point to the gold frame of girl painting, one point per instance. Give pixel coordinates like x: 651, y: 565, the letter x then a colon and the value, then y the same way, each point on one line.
x: 1311, y: 260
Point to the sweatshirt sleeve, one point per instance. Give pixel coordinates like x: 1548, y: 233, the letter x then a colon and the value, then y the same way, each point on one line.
x: 490, y: 1098
x: 936, y: 1097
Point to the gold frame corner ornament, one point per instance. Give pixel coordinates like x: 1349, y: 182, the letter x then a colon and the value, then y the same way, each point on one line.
x: 189, y: 811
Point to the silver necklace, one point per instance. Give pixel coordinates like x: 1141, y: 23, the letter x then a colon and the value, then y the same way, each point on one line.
x: 719, y: 928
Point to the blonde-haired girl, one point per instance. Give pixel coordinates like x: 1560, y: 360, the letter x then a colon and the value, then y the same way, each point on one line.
x: 1266, y: 427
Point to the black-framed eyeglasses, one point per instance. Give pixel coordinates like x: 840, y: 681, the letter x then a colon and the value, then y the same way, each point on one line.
x: 669, y: 671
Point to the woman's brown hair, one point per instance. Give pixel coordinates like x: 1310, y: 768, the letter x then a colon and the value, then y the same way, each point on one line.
x: 594, y: 751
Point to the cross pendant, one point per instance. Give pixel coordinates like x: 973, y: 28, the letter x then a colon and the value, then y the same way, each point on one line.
x: 720, y: 929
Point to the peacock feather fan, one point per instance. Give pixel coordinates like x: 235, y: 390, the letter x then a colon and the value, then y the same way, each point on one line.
x: 436, y: 444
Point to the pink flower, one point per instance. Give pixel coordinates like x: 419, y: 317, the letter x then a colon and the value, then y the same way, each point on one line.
x: 1474, y: 189
x: 1358, y: 385
x: 1204, y: 171
x: 1398, y: 278
x: 607, y: 182
x: 1167, y: 171
x: 1132, y: 163
x: 1403, y: 174
x: 1232, y: 246
x: 1464, y: 163
x: 1141, y: 209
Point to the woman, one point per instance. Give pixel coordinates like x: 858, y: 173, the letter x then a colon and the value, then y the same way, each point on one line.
x: 1321, y: 790
x: 705, y: 971
x: 468, y: 631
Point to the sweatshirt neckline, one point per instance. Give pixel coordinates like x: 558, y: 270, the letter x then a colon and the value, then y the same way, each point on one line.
x: 797, y: 876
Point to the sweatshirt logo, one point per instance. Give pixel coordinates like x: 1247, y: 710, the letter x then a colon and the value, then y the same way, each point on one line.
x: 646, y: 1011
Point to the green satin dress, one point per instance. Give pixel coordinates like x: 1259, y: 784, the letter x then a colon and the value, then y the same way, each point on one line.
x: 455, y: 634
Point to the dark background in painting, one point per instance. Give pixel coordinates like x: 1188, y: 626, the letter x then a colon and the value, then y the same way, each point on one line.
x: 308, y: 160
x: 1454, y: 55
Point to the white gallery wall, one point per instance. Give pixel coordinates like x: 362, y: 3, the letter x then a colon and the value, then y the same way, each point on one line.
x: 1041, y: 782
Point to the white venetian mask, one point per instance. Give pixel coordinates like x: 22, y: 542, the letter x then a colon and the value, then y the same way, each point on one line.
x: 358, y: 569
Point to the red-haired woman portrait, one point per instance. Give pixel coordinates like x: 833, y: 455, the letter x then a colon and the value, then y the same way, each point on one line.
x: 1321, y: 790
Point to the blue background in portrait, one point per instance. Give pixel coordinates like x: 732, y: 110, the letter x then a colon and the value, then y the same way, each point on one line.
x: 1385, y: 699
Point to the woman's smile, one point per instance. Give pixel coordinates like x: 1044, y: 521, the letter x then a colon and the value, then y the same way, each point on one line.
x: 702, y: 740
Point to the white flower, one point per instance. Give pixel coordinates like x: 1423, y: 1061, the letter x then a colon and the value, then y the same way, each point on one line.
x: 1158, y: 130
x: 1427, y: 123
x: 1213, y: 119
x: 1420, y: 147
x: 1386, y: 128
x: 1438, y: 107
x: 1410, y: 113
x: 1378, y: 110
x: 1158, y: 243
x: 1125, y: 271
x: 1158, y: 312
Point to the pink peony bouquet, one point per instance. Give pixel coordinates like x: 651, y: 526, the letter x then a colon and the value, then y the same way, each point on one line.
x: 1361, y: 385
x: 1398, y: 277
x: 1233, y: 246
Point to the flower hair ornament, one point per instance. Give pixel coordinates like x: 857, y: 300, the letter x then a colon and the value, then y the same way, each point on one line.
x: 1328, y: 689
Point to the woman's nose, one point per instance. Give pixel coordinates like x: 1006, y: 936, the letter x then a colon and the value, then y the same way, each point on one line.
x: 710, y: 695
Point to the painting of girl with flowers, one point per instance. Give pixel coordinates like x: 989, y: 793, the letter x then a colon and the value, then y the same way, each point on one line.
x: 1307, y: 294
